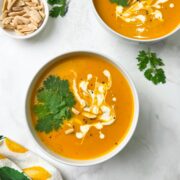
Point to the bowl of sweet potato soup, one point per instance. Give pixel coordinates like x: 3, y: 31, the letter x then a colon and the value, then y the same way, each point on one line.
x: 82, y: 108
x: 139, y: 20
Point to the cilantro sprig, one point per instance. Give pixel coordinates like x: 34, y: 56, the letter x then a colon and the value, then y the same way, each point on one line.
x: 151, y: 65
x: 120, y: 2
x: 54, y: 103
x: 59, y: 8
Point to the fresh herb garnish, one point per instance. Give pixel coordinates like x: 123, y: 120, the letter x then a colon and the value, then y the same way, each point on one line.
x: 120, y: 2
x: 7, y: 173
x: 1, y: 137
x: 59, y: 8
x: 150, y: 64
x: 55, y: 101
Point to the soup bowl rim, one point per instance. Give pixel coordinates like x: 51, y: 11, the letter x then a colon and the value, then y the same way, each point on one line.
x: 60, y: 159
x: 151, y: 40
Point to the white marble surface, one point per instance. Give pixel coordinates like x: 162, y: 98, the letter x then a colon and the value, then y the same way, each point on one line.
x: 154, y: 151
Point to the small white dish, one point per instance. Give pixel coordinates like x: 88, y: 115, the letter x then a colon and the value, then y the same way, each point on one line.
x: 14, y: 35
x: 153, y: 40
x: 60, y: 159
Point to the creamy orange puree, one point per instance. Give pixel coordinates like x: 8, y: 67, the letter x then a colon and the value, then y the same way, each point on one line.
x: 142, y: 19
x: 95, y: 142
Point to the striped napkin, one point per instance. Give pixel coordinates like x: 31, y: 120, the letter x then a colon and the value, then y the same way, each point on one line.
x: 18, y: 163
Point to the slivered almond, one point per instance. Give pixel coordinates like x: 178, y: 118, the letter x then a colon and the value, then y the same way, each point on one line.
x: 35, y: 15
x: 75, y: 111
x: 35, y: 24
x: 26, y: 15
x: 20, y: 3
x: 42, y: 5
x: 40, y: 23
x: 29, y: 32
x: 69, y: 131
x: 10, y: 4
x: 23, y: 19
x: 38, y: 7
x: 42, y: 14
x: 89, y: 115
x: 4, y: 7
x: 7, y: 20
x: 87, y: 109
x: 27, y: 9
x: 19, y: 20
x: 35, y: 1
x: 18, y: 13
x: 26, y: 28
x: 69, y: 124
x: 4, y: 15
x: 8, y: 26
x: 31, y: 4
x: 17, y: 8
x: 18, y: 32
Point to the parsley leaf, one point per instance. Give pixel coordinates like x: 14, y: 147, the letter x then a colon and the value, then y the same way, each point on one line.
x: 55, y: 101
x: 150, y: 64
x: 59, y: 7
x: 7, y: 173
x: 54, y: 2
x: 58, y: 10
x: 120, y: 2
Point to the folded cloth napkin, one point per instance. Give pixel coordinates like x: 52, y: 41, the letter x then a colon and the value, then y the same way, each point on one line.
x: 18, y: 163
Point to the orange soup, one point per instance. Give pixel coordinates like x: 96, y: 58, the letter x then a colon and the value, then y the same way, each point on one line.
x: 101, y: 114
x: 141, y: 19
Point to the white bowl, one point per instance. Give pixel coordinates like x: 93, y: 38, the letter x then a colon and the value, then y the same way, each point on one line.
x: 14, y: 35
x: 61, y: 159
x: 153, y: 40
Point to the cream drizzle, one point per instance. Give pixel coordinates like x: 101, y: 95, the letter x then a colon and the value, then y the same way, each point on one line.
x: 131, y: 14
x: 81, y: 101
x: 96, y: 105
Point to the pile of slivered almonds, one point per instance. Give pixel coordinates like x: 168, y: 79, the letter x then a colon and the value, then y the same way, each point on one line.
x: 22, y: 16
